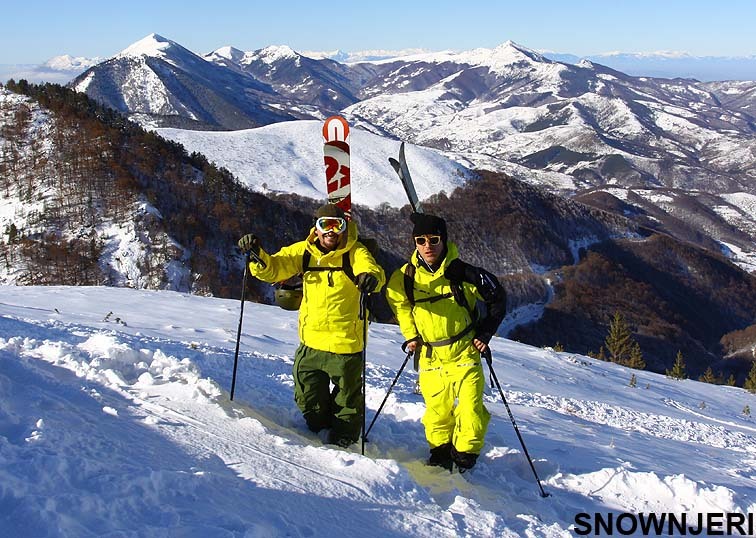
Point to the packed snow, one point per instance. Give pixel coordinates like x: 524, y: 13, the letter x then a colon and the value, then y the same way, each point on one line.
x: 288, y: 157
x: 115, y: 420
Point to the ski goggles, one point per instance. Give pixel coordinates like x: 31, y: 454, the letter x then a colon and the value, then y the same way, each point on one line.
x: 336, y: 225
x: 432, y: 240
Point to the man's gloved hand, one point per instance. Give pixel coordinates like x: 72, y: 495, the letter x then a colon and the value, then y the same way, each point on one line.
x: 366, y: 282
x: 411, y: 345
x: 249, y: 243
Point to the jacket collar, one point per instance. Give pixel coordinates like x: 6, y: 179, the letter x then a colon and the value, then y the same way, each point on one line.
x: 451, y: 253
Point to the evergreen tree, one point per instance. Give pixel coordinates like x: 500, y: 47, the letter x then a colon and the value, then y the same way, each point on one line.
x: 678, y: 369
x: 730, y: 381
x: 619, y: 341
x: 633, y: 381
x: 708, y: 376
x: 750, y: 382
x: 636, y: 357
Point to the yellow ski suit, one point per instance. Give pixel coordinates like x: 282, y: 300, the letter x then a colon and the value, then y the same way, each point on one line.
x: 447, y: 371
x: 330, y: 331
x: 329, y: 314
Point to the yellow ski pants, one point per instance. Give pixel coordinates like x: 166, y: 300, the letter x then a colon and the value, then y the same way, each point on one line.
x: 442, y: 385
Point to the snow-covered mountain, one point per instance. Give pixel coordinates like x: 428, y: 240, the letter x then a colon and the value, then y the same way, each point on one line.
x: 574, y: 129
x: 570, y: 128
x: 90, y: 199
x: 588, y: 122
x: 115, y: 419
x: 671, y: 64
x: 522, y: 234
x: 505, y: 109
x: 158, y: 81
x: 60, y: 69
x: 320, y: 86
x: 361, y: 55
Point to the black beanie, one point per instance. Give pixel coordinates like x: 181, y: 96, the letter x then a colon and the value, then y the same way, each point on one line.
x: 426, y: 224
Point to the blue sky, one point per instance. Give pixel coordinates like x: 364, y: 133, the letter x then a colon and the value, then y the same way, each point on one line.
x: 34, y: 31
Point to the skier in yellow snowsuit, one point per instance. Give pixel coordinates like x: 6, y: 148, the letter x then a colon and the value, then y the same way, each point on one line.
x: 336, y: 268
x: 434, y: 298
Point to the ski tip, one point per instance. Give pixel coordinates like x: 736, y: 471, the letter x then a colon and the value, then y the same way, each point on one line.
x: 335, y: 128
x: 395, y: 165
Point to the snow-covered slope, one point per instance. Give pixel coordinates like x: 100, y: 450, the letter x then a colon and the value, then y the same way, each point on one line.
x: 115, y: 420
x: 128, y: 245
x: 288, y: 157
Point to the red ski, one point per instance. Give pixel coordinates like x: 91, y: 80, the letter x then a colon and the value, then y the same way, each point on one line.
x: 336, y: 158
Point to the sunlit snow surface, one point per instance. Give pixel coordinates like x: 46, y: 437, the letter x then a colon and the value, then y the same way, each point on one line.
x: 115, y: 419
x: 288, y: 157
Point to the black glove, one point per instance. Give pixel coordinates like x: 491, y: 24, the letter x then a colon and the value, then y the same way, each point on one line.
x: 249, y: 243
x: 366, y: 282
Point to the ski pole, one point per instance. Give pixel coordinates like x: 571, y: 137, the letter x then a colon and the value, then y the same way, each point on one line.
x: 396, y: 378
x: 241, y: 317
x: 250, y: 256
x: 489, y: 360
x: 363, y: 316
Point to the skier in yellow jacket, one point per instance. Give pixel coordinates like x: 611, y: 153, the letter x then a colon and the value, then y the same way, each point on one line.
x: 336, y: 269
x: 434, y: 298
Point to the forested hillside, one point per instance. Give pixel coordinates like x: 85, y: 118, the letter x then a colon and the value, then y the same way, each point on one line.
x: 79, y: 182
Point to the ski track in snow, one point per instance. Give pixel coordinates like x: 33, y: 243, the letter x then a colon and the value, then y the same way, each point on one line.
x: 127, y: 429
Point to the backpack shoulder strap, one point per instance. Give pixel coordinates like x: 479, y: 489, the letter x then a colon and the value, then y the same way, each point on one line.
x: 306, y: 260
x: 458, y: 293
x: 346, y: 266
x: 409, y: 282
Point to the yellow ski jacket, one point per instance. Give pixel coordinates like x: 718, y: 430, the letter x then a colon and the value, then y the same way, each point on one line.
x: 434, y: 320
x: 329, y: 314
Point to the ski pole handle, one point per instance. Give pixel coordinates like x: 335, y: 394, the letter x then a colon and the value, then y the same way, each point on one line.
x: 257, y: 258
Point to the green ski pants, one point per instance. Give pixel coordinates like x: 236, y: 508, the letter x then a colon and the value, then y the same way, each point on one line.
x: 339, y: 408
